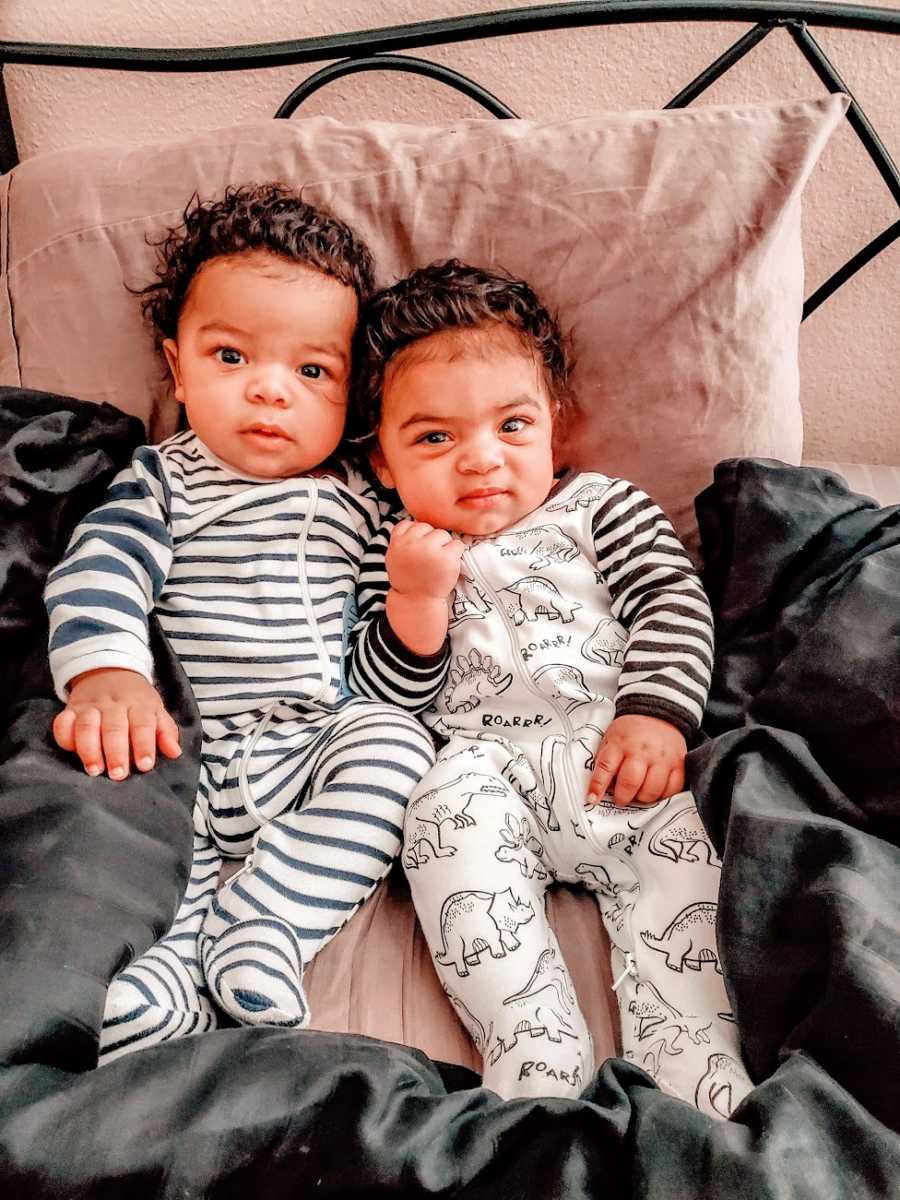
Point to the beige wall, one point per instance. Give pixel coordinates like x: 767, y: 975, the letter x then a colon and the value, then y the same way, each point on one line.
x: 850, y: 348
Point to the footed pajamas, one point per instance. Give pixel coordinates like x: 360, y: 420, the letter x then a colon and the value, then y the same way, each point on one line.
x: 586, y: 609
x: 254, y: 583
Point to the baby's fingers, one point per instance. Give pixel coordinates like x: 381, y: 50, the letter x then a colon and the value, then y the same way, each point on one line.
x: 167, y: 736
x: 654, y: 786
x: 64, y: 729
x: 86, y: 731
x: 114, y: 738
x: 143, y: 730
x: 675, y: 782
x: 608, y: 760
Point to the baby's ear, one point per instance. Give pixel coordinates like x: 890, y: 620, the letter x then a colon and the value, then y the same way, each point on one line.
x: 170, y: 349
x: 380, y: 467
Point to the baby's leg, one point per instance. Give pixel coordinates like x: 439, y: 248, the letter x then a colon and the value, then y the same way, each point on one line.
x: 477, y: 866
x: 163, y: 994
x: 675, y: 1013
x: 312, y: 867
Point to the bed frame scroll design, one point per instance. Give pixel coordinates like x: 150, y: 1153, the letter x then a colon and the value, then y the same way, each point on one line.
x: 381, y: 49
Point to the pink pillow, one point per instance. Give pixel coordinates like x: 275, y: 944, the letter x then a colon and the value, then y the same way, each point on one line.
x: 668, y: 241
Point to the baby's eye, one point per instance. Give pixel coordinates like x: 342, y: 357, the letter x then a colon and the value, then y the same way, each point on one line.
x: 312, y: 371
x: 433, y: 438
x: 513, y: 425
x: 229, y: 356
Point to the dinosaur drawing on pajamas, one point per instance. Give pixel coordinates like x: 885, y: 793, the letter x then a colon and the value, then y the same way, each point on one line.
x: 680, y: 838
x: 546, y: 1002
x: 468, y: 602
x: 687, y: 939
x: 522, y: 847
x: 472, y: 922
x: 582, y: 497
x: 715, y: 1090
x: 564, y: 684
x: 606, y: 644
x: 655, y: 1018
x: 537, y: 599
x: 545, y: 544
x: 448, y: 803
x: 471, y: 680
x: 521, y: 775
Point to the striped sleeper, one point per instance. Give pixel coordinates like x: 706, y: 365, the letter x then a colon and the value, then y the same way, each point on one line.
x: 255, y: 584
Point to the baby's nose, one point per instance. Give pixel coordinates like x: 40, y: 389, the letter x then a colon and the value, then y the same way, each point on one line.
x: 270, y: 385
x: 480, y: 455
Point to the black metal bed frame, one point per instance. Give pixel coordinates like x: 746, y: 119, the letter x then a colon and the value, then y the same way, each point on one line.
x: 379, y: 49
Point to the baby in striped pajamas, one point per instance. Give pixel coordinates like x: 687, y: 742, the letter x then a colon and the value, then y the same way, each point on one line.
x: 580, y: 656
x: 245, y: 536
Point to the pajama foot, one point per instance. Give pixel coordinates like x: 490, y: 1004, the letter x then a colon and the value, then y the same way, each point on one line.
x: 135, y: 1017
x: 254, y: 971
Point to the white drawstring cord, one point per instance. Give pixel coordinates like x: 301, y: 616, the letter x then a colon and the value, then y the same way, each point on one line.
x: 630, y: 969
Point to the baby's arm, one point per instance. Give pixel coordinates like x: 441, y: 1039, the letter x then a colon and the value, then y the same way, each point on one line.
x: 668, y: 658
x: 98, y: 599
x: 403, y: 663
x: 423, y: 568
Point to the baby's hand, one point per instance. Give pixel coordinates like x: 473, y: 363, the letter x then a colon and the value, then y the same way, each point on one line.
x: 423, y: 561
x: 645, y: 757
x: 108, y: 713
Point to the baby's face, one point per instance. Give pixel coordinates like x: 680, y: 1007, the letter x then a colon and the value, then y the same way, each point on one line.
x: 466, y: 440
x: 261, y: 362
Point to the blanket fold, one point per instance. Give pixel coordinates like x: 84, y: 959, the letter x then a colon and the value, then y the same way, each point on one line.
x: 91, y: 872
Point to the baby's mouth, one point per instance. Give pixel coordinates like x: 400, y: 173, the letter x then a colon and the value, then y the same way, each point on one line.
x: 482, y: 497
x: 269, y: 433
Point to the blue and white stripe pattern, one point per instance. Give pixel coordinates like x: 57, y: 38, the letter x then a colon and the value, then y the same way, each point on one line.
x: 163, y: 994
x: 251, y: 580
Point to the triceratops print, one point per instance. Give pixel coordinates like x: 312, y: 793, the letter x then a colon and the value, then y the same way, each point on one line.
x: 469, y: 603
x: 544, y: 545
x: 447, y: 804
x: 582, y: 497
x: 606, y: 644
x: 541, y: 1008
x: 537, y: 599
x: 688, y: 940
x: 472, y: 922
x: 522, y: 847
x: 471, y: 679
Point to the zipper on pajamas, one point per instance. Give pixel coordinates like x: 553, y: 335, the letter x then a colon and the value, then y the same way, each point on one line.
x: 569, y: 779
x: 324, y: 663
x: 630, y: 969
x: 318, y: 642
x: 524, y: 676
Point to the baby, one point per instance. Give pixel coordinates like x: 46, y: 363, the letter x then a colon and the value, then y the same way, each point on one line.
x: 245, y: 537
x: 580, y: 657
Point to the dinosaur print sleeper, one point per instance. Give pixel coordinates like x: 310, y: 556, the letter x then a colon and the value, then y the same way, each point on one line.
x: 585, y: 610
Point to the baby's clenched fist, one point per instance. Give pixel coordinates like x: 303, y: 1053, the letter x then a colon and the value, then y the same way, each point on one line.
x: 423, y: 561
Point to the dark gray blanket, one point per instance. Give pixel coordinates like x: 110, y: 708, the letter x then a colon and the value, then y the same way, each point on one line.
x: 799, y: 784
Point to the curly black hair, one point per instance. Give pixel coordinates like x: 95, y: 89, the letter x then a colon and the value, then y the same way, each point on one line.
x: 267, y: 216
x: 447, y: 297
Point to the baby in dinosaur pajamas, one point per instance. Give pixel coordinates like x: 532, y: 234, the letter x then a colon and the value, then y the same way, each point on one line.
x: 580, y: 651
